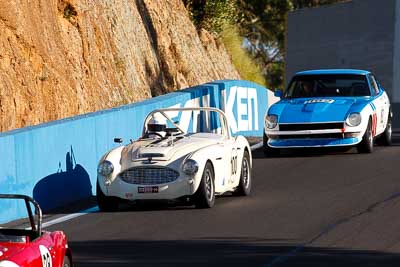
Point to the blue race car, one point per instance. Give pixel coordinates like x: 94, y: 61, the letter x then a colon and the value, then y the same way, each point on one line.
x: 325, y: 108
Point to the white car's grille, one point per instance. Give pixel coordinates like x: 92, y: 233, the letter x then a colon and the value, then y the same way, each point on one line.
x: 149, y: 175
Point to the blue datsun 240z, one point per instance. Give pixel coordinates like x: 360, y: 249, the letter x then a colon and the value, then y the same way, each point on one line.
x: 322, y: 108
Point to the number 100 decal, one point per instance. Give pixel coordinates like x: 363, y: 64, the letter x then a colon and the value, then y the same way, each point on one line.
x: 234, y: 165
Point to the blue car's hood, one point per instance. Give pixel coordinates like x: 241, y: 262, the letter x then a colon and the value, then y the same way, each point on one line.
x: 315, y: 109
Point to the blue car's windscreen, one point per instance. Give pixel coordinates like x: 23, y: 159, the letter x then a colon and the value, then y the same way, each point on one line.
x: 328, y: 85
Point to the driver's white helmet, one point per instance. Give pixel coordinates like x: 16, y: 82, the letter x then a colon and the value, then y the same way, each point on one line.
x: 157, y: 124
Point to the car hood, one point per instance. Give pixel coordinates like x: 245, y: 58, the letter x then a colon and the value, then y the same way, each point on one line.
x: 8, y: 250
x: 165, y: 150
x: 314, y: 109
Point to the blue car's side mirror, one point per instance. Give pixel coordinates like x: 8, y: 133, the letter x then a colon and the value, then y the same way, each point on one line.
x: 278, y: 93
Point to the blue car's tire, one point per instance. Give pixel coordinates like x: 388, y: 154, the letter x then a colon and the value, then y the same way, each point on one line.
x: 386, y: 138
x: 367, y: 143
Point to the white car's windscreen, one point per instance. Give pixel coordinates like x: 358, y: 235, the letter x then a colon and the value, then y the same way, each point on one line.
x: 185, y: 122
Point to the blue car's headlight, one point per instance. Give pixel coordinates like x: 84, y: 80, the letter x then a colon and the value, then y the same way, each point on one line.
x: 354, y: 119
x: 190, y: 167
x: 105, y: 168
x: 271, y: 121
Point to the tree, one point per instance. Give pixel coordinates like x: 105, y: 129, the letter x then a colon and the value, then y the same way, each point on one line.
x: 262, y: 23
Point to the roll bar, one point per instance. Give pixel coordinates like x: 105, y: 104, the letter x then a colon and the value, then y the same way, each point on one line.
x: 163, y: 110
x: 28, y: 199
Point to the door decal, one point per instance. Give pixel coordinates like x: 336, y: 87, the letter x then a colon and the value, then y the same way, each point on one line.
x: 46, y: 257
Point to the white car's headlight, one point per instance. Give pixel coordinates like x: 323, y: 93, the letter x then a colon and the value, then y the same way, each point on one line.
x: 354, y: 119
x: 105, y: 168
x: 271, y: 121
x: 190, y: 167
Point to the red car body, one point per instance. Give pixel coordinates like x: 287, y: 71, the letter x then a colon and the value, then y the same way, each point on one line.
x: 33, y: 247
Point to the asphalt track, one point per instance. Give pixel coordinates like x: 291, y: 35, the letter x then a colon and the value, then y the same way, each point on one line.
x: 308, y: 208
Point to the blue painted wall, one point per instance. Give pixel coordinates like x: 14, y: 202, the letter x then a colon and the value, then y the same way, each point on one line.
x: 56, y: 162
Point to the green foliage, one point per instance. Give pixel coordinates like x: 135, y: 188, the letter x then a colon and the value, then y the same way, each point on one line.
x: 312, y: 3
x: 212, y: 15
x: 262, y: 23
x: 242, y: 60
x: 274, y: 75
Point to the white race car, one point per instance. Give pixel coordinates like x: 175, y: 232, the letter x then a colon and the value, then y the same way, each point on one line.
x: 169, y: 163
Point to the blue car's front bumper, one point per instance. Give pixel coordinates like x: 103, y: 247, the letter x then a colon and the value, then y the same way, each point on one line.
x: 307, y: 142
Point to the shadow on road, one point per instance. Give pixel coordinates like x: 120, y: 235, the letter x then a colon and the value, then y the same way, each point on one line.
x: 216, y: 252
x: 306, y: 152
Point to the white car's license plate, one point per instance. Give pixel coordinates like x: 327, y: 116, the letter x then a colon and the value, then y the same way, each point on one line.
x: 147, y: 189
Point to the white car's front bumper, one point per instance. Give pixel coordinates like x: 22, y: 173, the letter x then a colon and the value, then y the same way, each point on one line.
x: 118, y: 188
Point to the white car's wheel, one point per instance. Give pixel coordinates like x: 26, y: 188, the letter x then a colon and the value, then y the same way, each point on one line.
x: 205, y: 195
x: 104, y: 202
x: 367, y: 143
x: 244, y: 186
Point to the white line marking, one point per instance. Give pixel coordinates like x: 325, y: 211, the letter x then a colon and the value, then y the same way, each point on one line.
x: 95, y: 209
x: 256, y: 146
x: 70, y: 217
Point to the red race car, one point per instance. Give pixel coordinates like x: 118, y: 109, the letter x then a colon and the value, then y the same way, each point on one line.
x: 22, y: 241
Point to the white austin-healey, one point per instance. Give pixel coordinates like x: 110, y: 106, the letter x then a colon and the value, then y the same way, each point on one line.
x: 194, y: 161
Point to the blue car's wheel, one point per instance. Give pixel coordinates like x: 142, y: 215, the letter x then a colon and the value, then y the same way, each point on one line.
x: 367, y: 143
x: 386, y: 138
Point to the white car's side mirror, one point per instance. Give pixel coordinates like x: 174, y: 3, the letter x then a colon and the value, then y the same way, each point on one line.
x: 118, y: 140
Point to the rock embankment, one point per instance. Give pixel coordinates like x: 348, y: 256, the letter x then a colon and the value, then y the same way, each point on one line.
x: 63, y: 58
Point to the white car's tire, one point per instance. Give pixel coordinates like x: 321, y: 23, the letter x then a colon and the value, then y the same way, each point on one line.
x: 367, y: 143
x: 205, y: 194
x: 244, y: 187
x: 105, y: 203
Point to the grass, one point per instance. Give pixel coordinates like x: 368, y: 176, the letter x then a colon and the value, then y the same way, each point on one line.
x: 244, y: 63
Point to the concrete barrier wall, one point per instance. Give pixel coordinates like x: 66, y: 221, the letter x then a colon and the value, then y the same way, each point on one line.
x: 56, y: 162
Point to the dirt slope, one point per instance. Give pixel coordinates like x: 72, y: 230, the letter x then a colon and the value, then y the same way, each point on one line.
x: 60, y: 58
